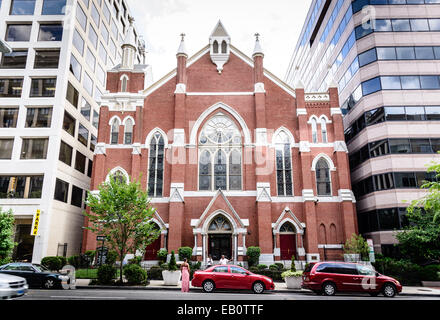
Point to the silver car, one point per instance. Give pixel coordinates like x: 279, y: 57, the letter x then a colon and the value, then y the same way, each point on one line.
x: 12, y: 286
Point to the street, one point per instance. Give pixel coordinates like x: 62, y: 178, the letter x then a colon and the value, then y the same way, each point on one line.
x: 97, y: 294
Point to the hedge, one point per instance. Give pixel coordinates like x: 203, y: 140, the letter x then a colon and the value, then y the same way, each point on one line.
x: 135, y: 274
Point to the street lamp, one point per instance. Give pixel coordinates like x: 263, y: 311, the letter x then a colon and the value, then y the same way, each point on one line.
x: 4, y: 47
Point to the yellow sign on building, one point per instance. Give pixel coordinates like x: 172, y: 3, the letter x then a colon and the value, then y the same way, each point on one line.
x: 35, y: 223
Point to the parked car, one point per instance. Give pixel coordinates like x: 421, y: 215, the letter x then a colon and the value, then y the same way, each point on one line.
x: 12, y: 286
x: 331, y: 277
x: 37, y: 276
x: 231, y: 277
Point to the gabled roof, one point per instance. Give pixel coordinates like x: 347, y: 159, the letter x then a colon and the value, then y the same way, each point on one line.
x: 219, y: 31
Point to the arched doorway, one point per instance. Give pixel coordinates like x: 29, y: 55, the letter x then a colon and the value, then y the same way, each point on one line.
x: 287, y: 241
x: 220, y: 238
x: 153, y: 248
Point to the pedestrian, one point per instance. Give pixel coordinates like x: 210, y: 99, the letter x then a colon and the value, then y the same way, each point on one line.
x: 209, y: 261
x: 223, y: 260
x: 185, y: 275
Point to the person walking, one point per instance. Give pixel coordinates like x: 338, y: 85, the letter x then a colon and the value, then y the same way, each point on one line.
x: 223, y: 260
x: 209, y: 261
x: 185, y: 275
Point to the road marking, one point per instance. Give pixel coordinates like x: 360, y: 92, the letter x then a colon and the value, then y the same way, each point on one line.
x: 86, y: 297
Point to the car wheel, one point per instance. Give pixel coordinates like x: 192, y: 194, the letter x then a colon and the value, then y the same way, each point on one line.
x: 329, y: 289
x: 49, y: 283
x: 389, y: 290
x: 258, y: 287
x: 208, y: 286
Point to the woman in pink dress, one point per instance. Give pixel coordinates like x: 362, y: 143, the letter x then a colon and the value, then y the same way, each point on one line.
x: 185, y: 275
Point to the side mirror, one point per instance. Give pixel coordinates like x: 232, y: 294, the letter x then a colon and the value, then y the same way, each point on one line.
x: 377, y: 274
x: 248, y: 273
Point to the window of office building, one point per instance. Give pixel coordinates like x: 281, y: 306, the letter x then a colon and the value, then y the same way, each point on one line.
x: 93, y: 142
x: 34, y: 148
x: 21, y: 187
x: 85, y: 109
x: 100, y: 74
x: 81, y: 17
x: 95, y: 119
x: 8, y: 117
x: 83, y: 135
x: 11, y: 88
x: 66, y: 152
x: 50, y: 32
x: 18, y: 32
x: 95, y: 15
x: 93, y: 37
x: 78, y: 42
x: 89, y: 168
x: 80, y: 162
x: 38, y: 117
x: 14, y: 60
x: 44, y: 87
x: 47, y: 59
x: 22, y: 7
x: 77, y: 195
x: 112, y: 47
x: 75, y: 67
x: 106, y: 12
x: 6, y: 145
x: 88, y: 84
x: 54, y: 7
x: 61, y: 190
x: 104, y: 33
x: 69, y: 124
x: 91, y: 60
x: 102, y: 53
x: 72, y: 95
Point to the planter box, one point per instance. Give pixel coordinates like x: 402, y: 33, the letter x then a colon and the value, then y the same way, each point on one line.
x: 293, y: 282
x: 171, y: 278
x: 431, y: 283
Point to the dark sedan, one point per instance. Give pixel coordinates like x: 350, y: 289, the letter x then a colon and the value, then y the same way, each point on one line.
x: 37, y: 276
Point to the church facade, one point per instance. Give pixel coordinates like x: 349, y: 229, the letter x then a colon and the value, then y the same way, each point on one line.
x: 232, y: 156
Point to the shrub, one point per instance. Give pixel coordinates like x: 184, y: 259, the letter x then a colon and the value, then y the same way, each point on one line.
x: 254, y: 269
x: 279, y: 265
x: 185, y: 252
x: 89, y: 255
x: 164, y: 266
x: 172, y: 266
x: 405, y: 271
x: 196, y: 266
x: 75, y: 261
x: 111, y: 257
x: 291, y: 273
x: 275, y: 275
x: 135, y: 274
x: 253, y: 254
x: 155, y: 273
x: 273, y: 267
x: 292, y: 266
x: 63, y: 261
x: 430, y: 273
x: 162, y: 255
x: 52, y: 263
x: 135, y: 260
x: 262, y: 267
x: 106, y: 274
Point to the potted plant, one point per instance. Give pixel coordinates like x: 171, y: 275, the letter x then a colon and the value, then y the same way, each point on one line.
x: 171, y: 276
x: 356, y: 249
x: 293, y: 279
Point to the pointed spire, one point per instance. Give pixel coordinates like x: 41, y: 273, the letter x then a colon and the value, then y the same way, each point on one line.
x: 257, y: 49
x: 129, y: 36
x: 182, y: 48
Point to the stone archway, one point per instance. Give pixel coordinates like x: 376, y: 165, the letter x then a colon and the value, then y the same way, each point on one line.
x: 220, y: 232
x: 288, y: 245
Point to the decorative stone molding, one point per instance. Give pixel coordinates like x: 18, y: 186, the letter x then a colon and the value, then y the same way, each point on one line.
x: 330, y: 246
x: 312, y: 257
x: 137, y: 148
x: 277, y: 252
x: 334, y: 111
x: 122, y: 101
x: 308, y: 195
x: 179, y: 138
x: 176, y: 192
x: 309, y: 97
x: 180, y: 88
x: 346, y: 195
x: 301, y: 252
x: 100, y: 148
x: 304, y: 146
x: 340, y: 146
x: 263, y: 192
x: 259, y: 87
x: 261, y: 137
x: 301, y: 112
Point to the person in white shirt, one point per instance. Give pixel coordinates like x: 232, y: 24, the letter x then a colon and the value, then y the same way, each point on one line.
x: 209, y: 261
x: 223, y: 260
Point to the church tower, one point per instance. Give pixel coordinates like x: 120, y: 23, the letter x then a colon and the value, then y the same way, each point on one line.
x: 219, y: 42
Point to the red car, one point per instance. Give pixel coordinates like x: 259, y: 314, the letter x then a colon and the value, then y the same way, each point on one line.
x: 231, y: 277
x: 330, y: 277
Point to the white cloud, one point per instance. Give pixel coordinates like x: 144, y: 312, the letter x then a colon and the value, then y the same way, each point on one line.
x: 161, y: 21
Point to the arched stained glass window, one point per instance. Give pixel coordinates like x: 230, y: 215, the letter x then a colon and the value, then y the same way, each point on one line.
x: 118, y: 175
x: 220, y: 224
x: 323, y: 184
x: 324, y: 130
x: 124, y: 83
x: 114, y: 132
x: 128, y: 134
x: 283, y: 164
x: 215, y: 46
x: 287, y: 228
x: 220, y: 155
x: 156, y: 166
x: 224, y: 47
x: 314, y: 130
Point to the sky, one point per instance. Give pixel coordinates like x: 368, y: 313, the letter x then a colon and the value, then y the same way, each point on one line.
x: 160, y: 22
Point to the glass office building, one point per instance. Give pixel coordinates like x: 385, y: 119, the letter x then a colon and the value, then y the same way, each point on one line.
x: 384, y: 56
x: 50, y: 87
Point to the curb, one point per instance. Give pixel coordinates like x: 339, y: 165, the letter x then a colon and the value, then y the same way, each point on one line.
x: 172, y: 288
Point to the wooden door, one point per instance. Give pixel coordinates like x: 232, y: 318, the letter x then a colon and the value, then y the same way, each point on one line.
x: 152, y: 249
x: 287, y: 246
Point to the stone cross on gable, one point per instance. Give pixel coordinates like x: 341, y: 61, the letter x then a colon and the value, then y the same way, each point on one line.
x: 183, y: 36
x: 257, y: 36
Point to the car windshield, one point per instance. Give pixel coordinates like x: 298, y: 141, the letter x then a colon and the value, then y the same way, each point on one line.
x: 40, y: 268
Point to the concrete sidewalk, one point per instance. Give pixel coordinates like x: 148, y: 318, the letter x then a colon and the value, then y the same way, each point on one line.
x: 279, y: 287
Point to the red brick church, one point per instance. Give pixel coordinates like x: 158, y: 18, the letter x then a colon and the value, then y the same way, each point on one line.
x: 231, y: 155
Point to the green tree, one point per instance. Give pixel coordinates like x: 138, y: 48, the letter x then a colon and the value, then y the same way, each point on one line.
x: 420, y: 240
x: 122, y: 213
x: 357, y: 245
x: 6, y: 235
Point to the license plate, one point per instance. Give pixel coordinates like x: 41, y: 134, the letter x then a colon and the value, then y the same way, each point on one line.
x: 20, y: 291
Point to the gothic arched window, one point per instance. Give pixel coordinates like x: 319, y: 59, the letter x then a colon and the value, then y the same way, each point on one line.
x: 220, y: 155
x: 215, y: 46
x: 156, y: 166
x: 314, y: 130
x: 220, y: 224
x: 224, y: 47
x: 128, y: 134
x: 114, y: 131
x: 124, y: 83
x: 324, y: 130
x: 287, y: 228
x: 284, y: 164
x: 323, y: 184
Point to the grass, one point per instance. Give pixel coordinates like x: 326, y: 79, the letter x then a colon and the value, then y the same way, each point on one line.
x: 89, y: 274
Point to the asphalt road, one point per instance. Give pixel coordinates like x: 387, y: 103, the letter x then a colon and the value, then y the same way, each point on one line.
x: 98, y: 294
